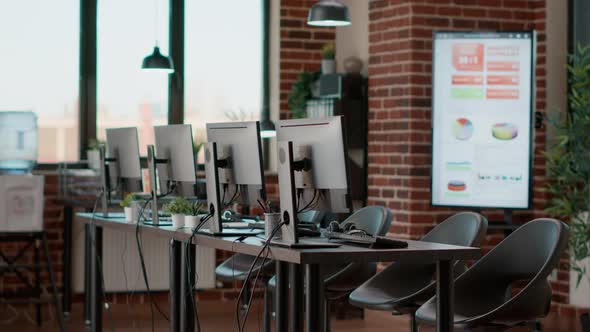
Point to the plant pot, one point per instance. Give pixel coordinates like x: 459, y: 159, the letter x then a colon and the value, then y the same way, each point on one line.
x: 328, y: 66
x: 191, y: 221
x: 177, y: 220
x: 93, y: 157
x: 131, y: 214
x: 585, y: 321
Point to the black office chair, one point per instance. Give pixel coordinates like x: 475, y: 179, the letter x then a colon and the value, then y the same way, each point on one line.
x: 403, y: 286
x: 237, y: 266
x: 339, y: 281
x: 483, y: 294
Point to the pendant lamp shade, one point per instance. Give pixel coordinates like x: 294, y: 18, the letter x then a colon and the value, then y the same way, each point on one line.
x: 328, y: 13
x: 158, y: 62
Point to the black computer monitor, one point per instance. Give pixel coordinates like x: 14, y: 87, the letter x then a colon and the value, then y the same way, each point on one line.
x: 312, y: 169
x: 233, y: 167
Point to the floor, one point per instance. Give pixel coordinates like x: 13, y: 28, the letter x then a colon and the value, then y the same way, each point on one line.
x: 219, y: 316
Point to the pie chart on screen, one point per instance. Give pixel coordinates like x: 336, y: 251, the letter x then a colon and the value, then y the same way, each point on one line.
x: 462, y: 129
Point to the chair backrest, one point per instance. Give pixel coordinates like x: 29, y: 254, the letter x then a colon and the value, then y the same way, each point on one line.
x: 374, y: 220
x: 311, y: 216
x: 530, y: 253
x: 462, y: 229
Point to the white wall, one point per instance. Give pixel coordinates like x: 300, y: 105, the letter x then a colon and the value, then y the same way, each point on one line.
x: 354, y: 39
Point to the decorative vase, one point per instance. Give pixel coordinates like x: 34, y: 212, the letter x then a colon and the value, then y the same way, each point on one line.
x: 191, y: 221
x: 328, y: 66
x: 93, y: 157
x: 177, y: 220
x: 353, y: 65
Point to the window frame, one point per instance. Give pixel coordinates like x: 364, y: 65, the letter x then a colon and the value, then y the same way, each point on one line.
x: 88, y: 67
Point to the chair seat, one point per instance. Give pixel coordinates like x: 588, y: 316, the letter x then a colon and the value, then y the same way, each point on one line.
x: 237, y: 266
x: 427, y: 314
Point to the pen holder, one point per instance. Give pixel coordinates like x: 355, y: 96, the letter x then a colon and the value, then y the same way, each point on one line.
x: 272, y: 221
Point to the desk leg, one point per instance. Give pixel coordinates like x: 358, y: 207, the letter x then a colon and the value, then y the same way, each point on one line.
x: 87, y: 271
x: 314, y: 298
x: 96, y: 302
x: 175, y: 270
x: 444, y: 296
x: 296, y: 297
x: 67, y: 261
x: 281, y: 297
x: 187, y: 317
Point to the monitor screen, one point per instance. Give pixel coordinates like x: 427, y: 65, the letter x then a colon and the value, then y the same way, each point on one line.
x: 481, y: 119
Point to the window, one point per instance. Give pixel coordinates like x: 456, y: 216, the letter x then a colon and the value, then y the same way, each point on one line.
x: 223, y: 62
x: 39, y: 70
x: 128, y: 96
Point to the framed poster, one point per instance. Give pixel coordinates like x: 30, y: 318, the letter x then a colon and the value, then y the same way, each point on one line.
x: 482, y: 116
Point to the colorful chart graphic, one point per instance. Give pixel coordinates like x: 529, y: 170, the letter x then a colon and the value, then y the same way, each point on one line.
x: 462, y: 129
x: 456, y: 185
x: 504, y: 131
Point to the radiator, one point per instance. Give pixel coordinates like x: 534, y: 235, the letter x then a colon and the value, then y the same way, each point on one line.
x: 121, y: 264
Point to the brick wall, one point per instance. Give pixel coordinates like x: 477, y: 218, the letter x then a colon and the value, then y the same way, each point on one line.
x: 400, y: 66
x: 300, y: 46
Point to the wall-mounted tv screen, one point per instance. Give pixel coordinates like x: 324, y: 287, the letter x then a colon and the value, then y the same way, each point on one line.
x: 482, y: 112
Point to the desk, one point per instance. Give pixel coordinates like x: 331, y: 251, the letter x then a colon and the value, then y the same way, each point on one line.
x: 290, y: 262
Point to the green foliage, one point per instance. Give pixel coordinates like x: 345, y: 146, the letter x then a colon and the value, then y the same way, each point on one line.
x: 196, y: 208
x: 568, y: 162
x: 179, y: 205
x: 129, y: 198
x: 301, y: 92
x: 329, y: 51
x: 94, y: 144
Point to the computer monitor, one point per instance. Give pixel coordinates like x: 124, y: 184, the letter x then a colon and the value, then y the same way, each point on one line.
x: 171, y: 164
x: 312, y: 168
x: 123, y: 158
x: 233, y: 167
x: 175, y: 155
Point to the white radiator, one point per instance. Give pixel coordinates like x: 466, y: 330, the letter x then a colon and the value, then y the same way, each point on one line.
x: 122, y: 269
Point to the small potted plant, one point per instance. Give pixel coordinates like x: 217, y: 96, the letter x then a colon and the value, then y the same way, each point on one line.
x: 129, y: 205
x: 177, y: 208
x: 329, y: 59
x: 191, y: 219
x: 93, y: 154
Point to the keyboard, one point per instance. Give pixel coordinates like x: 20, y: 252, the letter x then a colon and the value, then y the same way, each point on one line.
x: 375, y: 242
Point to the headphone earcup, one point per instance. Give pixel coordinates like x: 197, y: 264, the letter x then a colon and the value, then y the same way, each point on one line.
x: 334, y: 227
x: 349, y: 227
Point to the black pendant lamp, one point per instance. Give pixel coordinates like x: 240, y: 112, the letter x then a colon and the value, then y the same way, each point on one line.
x: 156, y: 61
x: 328, y: 13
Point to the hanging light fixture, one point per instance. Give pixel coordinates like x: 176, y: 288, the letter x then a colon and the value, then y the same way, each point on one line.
x: 157, y: 61
x: 328, y: 13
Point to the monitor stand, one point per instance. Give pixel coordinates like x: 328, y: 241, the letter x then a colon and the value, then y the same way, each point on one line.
x: 290, y: 237
x: 152, y: 167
